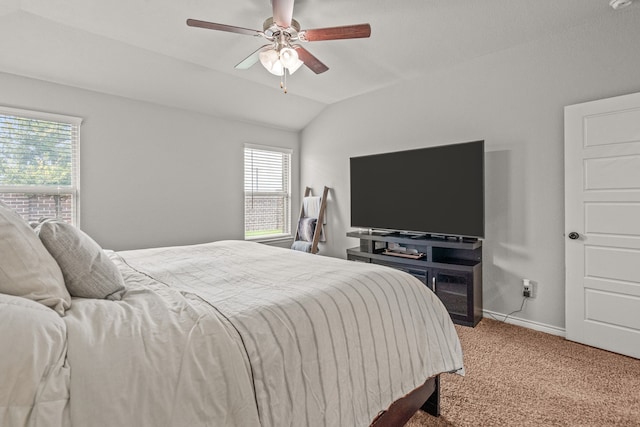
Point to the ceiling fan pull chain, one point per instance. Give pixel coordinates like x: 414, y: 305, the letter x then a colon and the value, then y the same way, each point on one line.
x: 284, y: 75
x: 283, y: 81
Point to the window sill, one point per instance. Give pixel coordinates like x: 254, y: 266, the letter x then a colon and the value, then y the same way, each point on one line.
x: 271, y: 239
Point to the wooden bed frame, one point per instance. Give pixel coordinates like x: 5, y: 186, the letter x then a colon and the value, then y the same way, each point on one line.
x: 425, y: 397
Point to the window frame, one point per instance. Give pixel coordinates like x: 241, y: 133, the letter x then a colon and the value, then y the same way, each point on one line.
x: 287, y: 194
x: 74, y: 188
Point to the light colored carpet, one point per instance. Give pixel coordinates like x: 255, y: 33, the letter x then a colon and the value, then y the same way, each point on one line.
x: 520, y: 377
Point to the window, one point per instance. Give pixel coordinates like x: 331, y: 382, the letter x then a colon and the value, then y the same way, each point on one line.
x: 39, y: 156
x: 267, y: 192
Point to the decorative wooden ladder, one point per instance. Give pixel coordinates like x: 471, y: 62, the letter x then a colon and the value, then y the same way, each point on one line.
x: 320, y: 220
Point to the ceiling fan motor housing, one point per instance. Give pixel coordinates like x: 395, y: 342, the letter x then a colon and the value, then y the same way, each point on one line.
x: 271, y: 29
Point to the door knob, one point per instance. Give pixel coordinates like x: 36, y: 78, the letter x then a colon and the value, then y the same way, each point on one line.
x: 573, y: 235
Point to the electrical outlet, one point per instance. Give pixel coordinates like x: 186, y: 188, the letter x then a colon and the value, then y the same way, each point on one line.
x: 527, y: 288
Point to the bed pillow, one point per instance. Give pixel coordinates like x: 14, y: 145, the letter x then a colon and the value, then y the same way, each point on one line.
x: 26, y: 268
x: 88, y: 272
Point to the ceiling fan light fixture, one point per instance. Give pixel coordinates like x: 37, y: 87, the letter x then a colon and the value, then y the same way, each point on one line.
x: 277, y: 61
x: 290, y: 60
x: 294, y: 67
x: 277, y: 69
x: 270, y: 59
x: 288, y: 57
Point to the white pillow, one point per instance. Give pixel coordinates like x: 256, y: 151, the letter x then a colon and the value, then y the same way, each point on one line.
x: 26, y: 268
x: 88, y: 272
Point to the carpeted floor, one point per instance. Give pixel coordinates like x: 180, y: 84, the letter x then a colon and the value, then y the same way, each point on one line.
x: 520, y: 377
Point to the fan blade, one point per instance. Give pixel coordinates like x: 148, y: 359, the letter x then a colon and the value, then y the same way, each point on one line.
x: 250, y: 60
x: 336, y: 33
x: 282, y: 12
x: 222, y: 27
x: 309, y: 60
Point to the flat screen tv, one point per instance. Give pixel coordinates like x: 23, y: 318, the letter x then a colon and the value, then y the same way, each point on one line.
x: 435, y: 190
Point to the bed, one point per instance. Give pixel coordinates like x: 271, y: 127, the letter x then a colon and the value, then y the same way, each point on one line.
x: 228, y: 333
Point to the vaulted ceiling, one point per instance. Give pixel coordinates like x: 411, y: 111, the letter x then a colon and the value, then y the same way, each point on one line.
x: 142, y: 49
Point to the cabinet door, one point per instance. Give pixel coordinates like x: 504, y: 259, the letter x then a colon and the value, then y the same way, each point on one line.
x: 455, y: 291
x: 422, y: 274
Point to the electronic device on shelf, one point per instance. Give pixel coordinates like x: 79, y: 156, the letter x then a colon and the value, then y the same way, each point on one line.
x: 412, y: 254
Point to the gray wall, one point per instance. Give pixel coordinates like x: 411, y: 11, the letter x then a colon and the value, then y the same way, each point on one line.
x: 512, y: 99
x: 152, y: 175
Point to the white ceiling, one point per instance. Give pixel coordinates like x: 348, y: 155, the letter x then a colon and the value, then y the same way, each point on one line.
x: 143, y: 49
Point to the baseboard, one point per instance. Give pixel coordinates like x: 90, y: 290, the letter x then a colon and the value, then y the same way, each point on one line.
x: 526, y: 323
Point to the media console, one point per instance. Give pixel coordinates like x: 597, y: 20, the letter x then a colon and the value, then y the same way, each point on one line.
x: 451, y: 268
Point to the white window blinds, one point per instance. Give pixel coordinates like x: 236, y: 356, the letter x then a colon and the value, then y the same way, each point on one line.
x: 39, y: 155
x: 267, y: 176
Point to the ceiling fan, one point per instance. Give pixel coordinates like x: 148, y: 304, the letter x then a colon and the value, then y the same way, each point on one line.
x: 282, y: 55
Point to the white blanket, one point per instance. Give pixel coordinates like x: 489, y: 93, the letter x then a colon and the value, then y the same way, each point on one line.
x: 34, y: 375
x: 311, y: 209
x: 330, y: 342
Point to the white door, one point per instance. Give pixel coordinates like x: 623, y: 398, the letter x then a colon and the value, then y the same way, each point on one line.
x: 602, y: 223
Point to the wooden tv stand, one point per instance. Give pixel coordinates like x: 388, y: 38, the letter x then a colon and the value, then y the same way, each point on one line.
x: 452, y: 268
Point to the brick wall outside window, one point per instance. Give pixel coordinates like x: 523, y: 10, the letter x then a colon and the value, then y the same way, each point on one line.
x: 264, y: 213
x: 32, y: 207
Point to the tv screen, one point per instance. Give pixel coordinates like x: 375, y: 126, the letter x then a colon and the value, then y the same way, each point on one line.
x: 434, y: 190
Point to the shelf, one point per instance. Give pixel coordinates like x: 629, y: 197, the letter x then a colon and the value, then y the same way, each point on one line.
x: 451, y: 268
x: 451, y: 264
x: 416, y: 240
x: 456, y: 261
